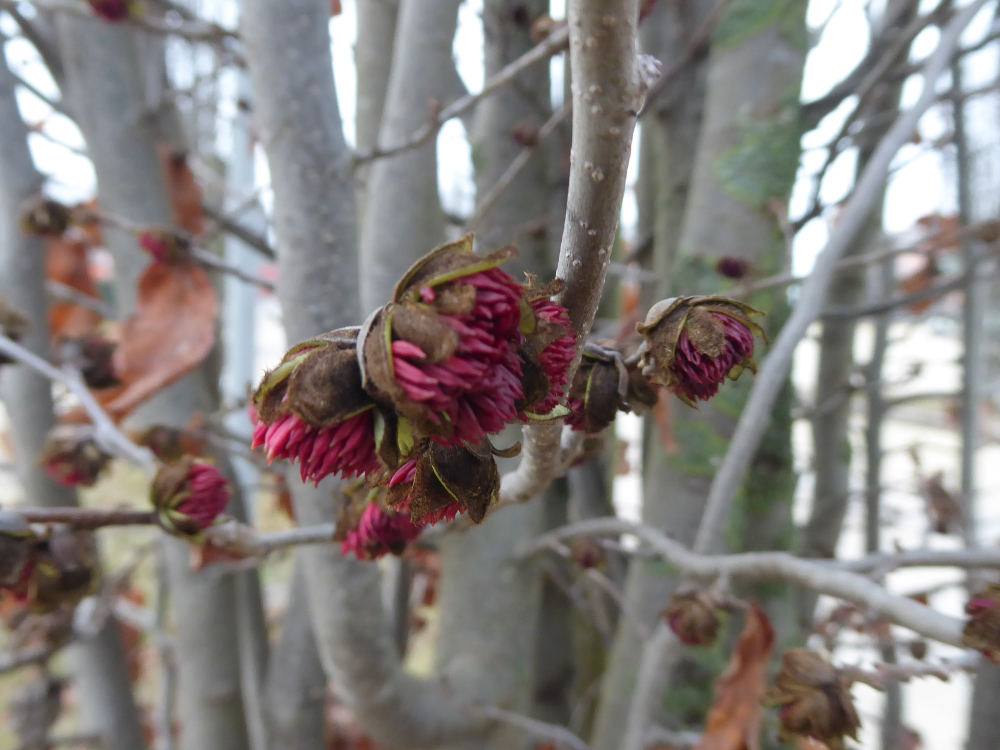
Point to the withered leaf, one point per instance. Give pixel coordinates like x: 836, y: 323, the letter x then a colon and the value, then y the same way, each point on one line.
x: 170, y: 334
x: 735, y: 719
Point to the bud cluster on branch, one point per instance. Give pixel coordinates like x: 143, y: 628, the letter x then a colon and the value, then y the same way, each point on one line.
x: 410, y: 399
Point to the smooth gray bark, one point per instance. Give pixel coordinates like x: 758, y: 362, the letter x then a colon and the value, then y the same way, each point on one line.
x: 296, y: 686
x: 107, y: 705
x: 403, y: 217
x: 106, y: 81
x: 668, y: 147
x: 288, y: 49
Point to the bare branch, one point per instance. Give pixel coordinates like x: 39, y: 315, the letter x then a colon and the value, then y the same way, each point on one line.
x: 553, y: 45
x: 756, y: 414
x: 88, y: 518
x: 822, y: 576
x: 106, y: 432
x: 553, y: 733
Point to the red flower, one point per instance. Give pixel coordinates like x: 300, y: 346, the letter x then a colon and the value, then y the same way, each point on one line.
x: 189, y: 495
x: 112, y: 11
x: 208, y: 495
x: 345, y: 448
x: 694, y: 343
x: 405, y: 475
x: 476, y: 387
x: 444, y: 352
x: 556, y: 357
x: 312, y: 409
x: 380, y: 532
x: 700, y: 375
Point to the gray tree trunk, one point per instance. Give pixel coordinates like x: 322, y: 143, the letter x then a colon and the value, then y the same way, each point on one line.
x: 403, y: 217
x: 106, y: 84
x: 315, y: 224
x: 667, y: 149
x: 107, y: 705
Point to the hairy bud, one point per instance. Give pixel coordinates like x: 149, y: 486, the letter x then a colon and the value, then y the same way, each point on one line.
x: 693, y: 617
x: 72, y: 456
x: 443, y: 353
x: 189, y: 495
x: 547, y: 351
x: 694, y: 343
x: 813, y: 701
x: 65, y: 570
x: 17, y: 551
x: 13, y: 325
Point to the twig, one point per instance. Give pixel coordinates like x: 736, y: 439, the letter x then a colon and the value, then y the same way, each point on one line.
x: 822, y: 577
x: 554, y: 44
x: 696, y: 46
x: 25, y: 658
x: 87, y: 518
x: 209, y: 260
x: 554, y: 733
x: 105, y: 430
x: 519, y: 162
x: 756, y: 414
x: 661, y: 736
x: 886, y: 674
x: 249, y: 237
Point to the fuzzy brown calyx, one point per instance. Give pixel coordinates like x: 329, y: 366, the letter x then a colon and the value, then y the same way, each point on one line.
x: 72, y: 456
x: 693, y: 617
x: 814, y: 701
x: 318, y: 380
x: 44, y: 217
x: 466, y: 476
x: 694, y: 343
x: 445, y: 264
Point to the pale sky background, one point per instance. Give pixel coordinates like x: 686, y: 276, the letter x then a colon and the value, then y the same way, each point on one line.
x: 921, y: 185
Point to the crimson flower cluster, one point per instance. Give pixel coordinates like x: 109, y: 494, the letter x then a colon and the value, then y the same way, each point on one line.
x: 408, y: 400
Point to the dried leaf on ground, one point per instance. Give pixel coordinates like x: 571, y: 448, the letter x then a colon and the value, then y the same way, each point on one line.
x: 185, y: 193
x: 735, y: 719
x: 66, y: 262
x: 170, y: 334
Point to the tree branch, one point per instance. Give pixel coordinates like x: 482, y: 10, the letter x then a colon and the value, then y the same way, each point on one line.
x: 756, y: 415
x: 821, y: 576
x: 553, y: 45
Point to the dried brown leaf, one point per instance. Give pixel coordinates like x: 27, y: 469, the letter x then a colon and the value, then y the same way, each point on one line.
x: 170, y: 334
x: 66, y: 263
x: 735, y: 719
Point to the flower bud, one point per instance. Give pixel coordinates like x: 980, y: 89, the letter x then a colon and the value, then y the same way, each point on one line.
x: 312, y: 409
x: 732, y: 267
x: 72, y: 456
x: 380, y: 531
x: 547, y: 351
x: 44, y: 217
x: 813, y: 701
x: 444, y: 352
x: 982, y: 629
x: 189, y: 495
x: 586, y: 552
x: 438, y: 482
x: 694, y: 343
x: 693, y: 618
